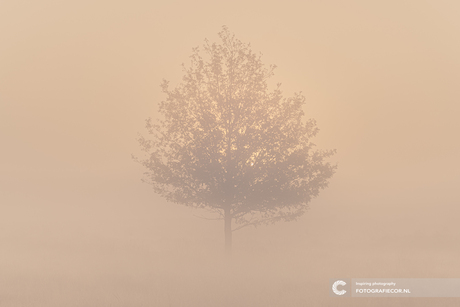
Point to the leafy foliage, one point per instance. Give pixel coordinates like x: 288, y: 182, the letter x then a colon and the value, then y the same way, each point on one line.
x: 228, y: 144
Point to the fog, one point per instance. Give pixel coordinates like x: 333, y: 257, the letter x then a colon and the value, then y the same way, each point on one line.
x: 79, y: 228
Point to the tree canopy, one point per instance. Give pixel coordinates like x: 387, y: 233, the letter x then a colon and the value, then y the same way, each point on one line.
x: 227, y: 143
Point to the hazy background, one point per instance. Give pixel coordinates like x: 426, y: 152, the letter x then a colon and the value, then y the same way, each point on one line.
x: 79, y: 78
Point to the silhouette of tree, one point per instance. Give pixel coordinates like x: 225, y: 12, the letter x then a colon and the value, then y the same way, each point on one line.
x: 228, y: 144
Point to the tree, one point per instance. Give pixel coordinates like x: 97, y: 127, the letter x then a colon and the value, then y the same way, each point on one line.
x: 229, y: 145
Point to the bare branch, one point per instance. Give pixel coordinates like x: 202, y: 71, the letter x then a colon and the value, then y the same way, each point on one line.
x: 258, y: 222
x: 207, y: 218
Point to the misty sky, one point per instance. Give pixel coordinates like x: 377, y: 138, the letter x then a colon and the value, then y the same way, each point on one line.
x: 79, y: 78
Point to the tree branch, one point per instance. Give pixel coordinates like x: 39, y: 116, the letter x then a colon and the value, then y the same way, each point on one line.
x: 208, y: 218
x: 258, y: 222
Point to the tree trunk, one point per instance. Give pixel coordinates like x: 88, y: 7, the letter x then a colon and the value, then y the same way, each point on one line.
x: 228, y: 232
